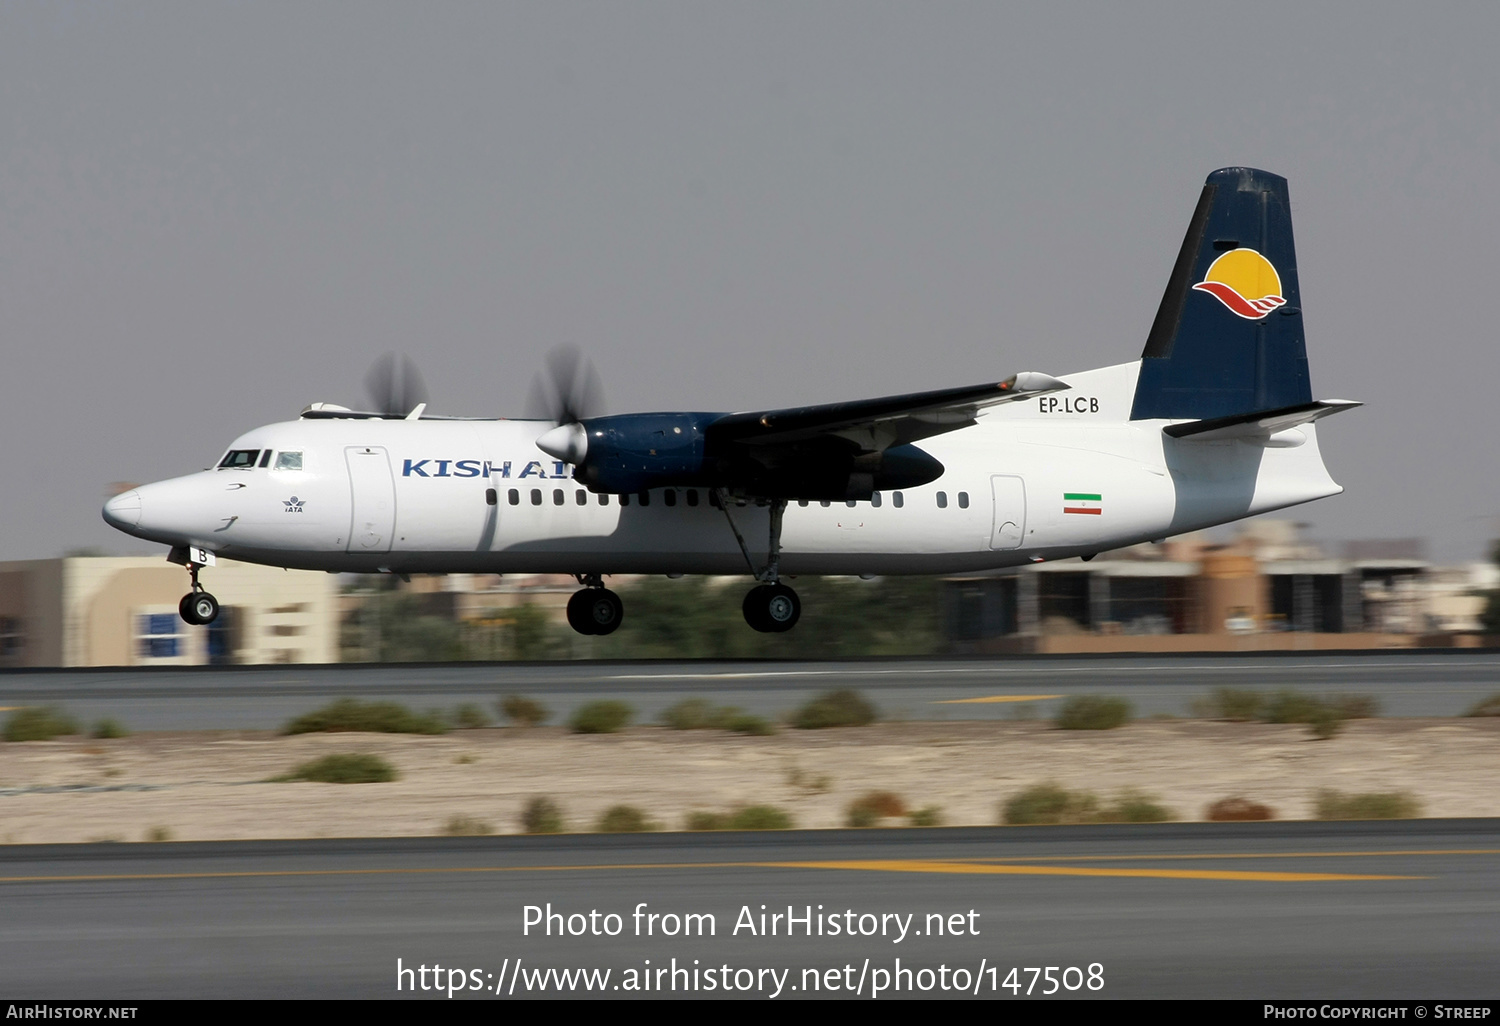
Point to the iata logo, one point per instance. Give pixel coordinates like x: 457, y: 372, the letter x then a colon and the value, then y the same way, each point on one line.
x: 1244, y: 281
x: 294, y: 504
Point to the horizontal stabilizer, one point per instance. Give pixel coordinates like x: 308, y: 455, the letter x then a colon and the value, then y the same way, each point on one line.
x: 1262, y: 424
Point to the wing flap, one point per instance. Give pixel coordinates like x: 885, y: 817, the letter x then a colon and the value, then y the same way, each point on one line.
x: 875, y: 424
x: 1263, y: 424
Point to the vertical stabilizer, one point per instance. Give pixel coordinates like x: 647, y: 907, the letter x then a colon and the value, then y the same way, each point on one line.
x: 1227, y: 339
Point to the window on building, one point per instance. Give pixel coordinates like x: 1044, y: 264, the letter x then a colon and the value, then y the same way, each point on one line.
x: 942, y: 498
x: 288, y: 461
x: 160, y: 635
x: 12, y: 636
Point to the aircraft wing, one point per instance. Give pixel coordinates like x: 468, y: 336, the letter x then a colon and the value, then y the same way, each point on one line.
x: 872, y: 425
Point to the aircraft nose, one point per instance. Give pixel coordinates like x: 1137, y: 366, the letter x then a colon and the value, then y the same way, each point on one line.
x: 124, y: 510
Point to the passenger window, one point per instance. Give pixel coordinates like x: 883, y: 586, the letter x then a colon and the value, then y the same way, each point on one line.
x: 603, y: 500
x: 875, y: 499
x: 898, y: 500
x: 802, y: 502
x: 692, y: 496
x: 536, y: 496
x: 514, y: 497
x: 239, y: 459
x: 289, y: 461
x: 645, y: 498
x: 490, y: 497
x: 670, y: 496
x: 713, y: 500
x: 557, y: 496
x: 265, y: 458
x: 942, y: 500
x: 583, y: 497
x: 850, y: 503
x: 824, y: 503
x: 625, y: 499
x: 963, y: 500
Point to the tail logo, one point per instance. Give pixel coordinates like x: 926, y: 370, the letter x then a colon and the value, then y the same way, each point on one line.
x: 1244, y: 281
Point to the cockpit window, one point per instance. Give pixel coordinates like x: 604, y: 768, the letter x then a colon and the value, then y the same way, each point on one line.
x: 265, y: 458
x: 239, y: 459
x: 289, y: 461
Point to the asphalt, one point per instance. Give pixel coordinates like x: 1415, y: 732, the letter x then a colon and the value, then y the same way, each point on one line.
x: 1405, y: 683
x: 1261, y: 911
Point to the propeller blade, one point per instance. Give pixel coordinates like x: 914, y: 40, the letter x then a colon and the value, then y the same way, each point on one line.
x: 395, y: 385
x: 568, y: 392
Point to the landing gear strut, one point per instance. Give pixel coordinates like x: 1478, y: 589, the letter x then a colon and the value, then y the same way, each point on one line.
x: 197, y: 607
x: 771, y: 607
x: 594, y: 610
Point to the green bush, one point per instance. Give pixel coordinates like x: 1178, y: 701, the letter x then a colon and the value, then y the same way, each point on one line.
x: 1237, y: 810
x: 843, y: 708
x: 1092, y: 712
x: 348, y: 714
x: 600, y: 717
x: 694, y: 714
x: 469, y: 716
x: 1234, y: 704
x: 1049, y: 803
x: 928, y: 816
x: 1485, y: 707
x: 1291, y: 707
x: 523, y: 711
x: 350, y: 768
x: 1324, y: 722
x: 542, y: 816
x: 753, y: 817
x: 108, y: 728
x: 759, y: 817
x: 624, y: 819
x: 1355, y: 707
x: 1134, y: 807
x: 159, y: 834
x: 1375, y: 805
x: 38, y: 723
x: 707, y: 821
x: 871, y: 808
x: 467, y: 826
x: 744, y: 723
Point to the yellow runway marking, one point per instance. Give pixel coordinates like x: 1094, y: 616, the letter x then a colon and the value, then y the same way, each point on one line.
x: 994, y: 698
x: 1241, y: 855
x: 877, y: 865
x: 901, y: 866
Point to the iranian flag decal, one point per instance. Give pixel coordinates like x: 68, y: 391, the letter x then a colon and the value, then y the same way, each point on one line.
x: 1083, y: 502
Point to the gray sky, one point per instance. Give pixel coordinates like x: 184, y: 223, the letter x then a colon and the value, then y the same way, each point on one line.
x: 211, y: 215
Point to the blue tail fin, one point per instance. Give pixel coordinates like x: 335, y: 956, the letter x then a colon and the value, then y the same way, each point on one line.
x: 1227, y: 339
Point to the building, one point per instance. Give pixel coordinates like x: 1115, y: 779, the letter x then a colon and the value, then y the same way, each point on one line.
x: 1266, y: 590
x: 122, y: 611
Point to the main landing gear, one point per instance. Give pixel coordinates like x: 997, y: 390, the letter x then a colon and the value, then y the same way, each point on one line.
x: 197, y: 607
x: 771, y: 607
x: 595, y: 609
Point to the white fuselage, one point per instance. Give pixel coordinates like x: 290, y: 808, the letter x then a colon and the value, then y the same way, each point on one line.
x: 1057, y: 475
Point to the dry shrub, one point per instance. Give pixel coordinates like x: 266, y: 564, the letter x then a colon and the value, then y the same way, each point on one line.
x: 869, y: 809
x: 542, y: 815
x: 1373, y: 805
x: 1237, y: 810
x: 523, y: 711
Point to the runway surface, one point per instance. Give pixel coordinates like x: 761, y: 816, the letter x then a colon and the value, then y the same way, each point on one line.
x: 1406, y: 683
x: 1277, y: 910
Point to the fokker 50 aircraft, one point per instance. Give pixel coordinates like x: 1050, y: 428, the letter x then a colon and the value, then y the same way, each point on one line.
x: 1213, y: 423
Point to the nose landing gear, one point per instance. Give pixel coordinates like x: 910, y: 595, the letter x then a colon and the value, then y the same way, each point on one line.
x: 595, y: 610
x: 197, y: 607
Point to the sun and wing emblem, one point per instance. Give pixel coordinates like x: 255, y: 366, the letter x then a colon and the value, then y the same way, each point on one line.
x: 1244, y: 281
